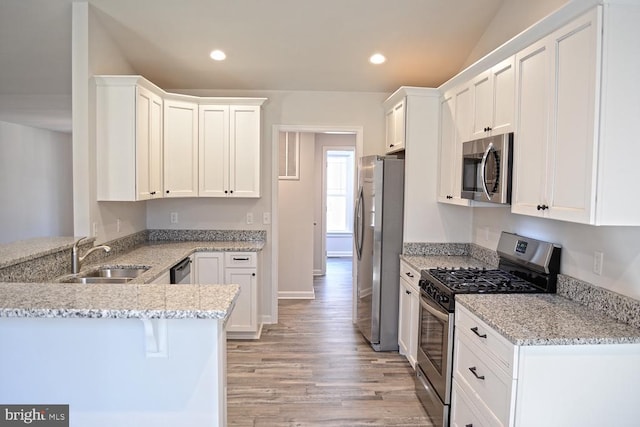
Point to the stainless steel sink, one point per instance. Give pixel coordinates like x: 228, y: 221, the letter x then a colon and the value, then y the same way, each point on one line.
x: 99, y: 280
x: 117, y: 272
x: 107, y: 275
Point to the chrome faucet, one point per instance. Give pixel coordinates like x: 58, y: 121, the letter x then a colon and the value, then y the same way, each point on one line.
x: 76, y: 259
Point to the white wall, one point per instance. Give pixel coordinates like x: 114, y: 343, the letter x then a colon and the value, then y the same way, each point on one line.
x: 513, y: 17
x: 94, y: 52
x: 36, y: 192
x: 295, y: 234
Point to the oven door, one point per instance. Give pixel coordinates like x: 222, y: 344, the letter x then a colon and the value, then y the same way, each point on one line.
x: 435, y: 344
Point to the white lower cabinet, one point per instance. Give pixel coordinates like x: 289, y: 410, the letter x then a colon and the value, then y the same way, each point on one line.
x: 409, y: 306
x: 240, y: 268
x: 496, y: 383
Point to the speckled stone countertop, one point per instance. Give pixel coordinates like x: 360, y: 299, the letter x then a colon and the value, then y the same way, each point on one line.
x: 545, y: 319
x: 139, y: 298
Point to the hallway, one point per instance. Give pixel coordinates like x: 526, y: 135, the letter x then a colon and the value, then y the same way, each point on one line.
x: 314, y: 368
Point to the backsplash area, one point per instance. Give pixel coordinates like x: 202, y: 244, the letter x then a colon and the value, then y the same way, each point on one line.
x: 51, y: 258
x: 617, y: 306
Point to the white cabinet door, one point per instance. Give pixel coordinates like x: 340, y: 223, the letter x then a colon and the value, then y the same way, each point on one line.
x: 214, y: 151
x: 395, y: 120
x: 180, y: 149
x: 244, y: 317
x: 229, y: 151
x: 148, y: 144
x: 208, y: 268
x: 404, y: 322
x: 244, y: 151
x: 533, y: 103
x: 493, y: 100
x: 572, y: 157
x: 456, y: 124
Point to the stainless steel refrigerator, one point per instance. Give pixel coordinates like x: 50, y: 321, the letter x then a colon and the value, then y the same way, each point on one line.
x: 378, y: 243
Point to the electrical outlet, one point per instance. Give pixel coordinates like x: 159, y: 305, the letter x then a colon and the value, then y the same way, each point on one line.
x: 118, y: 225
x: 598, y: 260
x: 174, y: 217
x: 266, y: 217
x: 249, y: 218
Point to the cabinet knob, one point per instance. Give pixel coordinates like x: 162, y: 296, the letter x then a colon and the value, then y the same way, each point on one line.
x: 407, y: 292
x: 167, y: 191
x: 152, y: 193
x: 253, y: 274
x: 409, y: 274
x: 231, y: 191
x: 487, y: 129
x: 391, y: 145
x: 542, y: 207
x: 226, y: 192
x: 449, y: 197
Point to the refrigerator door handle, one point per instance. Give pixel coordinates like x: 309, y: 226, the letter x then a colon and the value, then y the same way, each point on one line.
x: 358, y: 223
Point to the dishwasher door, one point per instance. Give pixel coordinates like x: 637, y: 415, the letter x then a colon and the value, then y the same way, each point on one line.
x: 180, y: 274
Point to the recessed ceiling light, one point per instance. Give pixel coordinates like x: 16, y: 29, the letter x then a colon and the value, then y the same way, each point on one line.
x: 217, y: 55
x: 377, y: 58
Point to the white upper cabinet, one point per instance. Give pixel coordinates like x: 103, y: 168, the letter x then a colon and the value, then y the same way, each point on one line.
x: 229, y: 151
x: 180, y: 148
x: 129, y: 118
x: 493, y: 100
x: 395, y: 122
x: 576, y: 117
x: 455, y: 127
x: 244, y: 151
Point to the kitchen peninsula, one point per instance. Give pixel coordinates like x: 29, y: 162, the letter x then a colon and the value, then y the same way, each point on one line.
x: 138, y: 353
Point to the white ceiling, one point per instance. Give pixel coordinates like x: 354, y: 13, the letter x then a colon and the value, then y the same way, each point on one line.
x: 270, y: 44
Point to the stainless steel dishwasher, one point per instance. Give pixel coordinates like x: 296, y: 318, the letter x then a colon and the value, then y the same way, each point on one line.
x: 180, y: 274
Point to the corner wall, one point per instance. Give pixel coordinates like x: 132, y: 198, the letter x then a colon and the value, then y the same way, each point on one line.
x: 35, y: 183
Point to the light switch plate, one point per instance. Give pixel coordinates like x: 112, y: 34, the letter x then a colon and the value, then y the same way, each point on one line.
x: 249, y: 218
x: 266, y: 217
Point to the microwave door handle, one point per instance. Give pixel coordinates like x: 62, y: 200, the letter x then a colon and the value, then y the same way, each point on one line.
x: 483, y: 170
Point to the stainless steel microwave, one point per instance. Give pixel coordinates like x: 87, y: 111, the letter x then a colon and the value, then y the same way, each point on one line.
x: 486, y: 169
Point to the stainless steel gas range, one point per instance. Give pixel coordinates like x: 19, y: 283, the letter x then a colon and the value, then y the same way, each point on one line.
x: 526, y: 265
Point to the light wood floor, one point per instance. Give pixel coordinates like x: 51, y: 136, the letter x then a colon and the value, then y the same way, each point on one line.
x: 314, y: 368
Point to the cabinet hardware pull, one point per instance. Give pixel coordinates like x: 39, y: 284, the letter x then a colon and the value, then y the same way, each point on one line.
x: 240, y: 259
x: 253, y: 274
x: 391, y: 145
x: 167, y: 191
x: 409, y: 274
x: 475, y: 374
x: 407, y: 292
x: 153, y: 192
x: 468, y: 425
x: 475, y: 331
x: 226, y: 192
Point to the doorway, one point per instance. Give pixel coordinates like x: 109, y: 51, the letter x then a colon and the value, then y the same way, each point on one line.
x: 338, y: 194
x: 284, y: 254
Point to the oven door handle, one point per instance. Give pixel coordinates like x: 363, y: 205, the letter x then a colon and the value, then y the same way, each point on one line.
x: 431, y: 307
x: 483, y: 170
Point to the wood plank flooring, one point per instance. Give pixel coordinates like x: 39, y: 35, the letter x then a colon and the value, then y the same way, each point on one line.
x: 314, y: 368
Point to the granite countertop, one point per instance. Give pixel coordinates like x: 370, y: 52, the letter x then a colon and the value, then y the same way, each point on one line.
x: 546, y: 319
x: 139, y: 298
x: 29, y: 249
x: 424, y: 262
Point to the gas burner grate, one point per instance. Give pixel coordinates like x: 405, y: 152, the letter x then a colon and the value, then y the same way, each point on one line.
x: 481, y: 280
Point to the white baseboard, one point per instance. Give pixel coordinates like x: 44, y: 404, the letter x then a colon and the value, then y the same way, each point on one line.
x: 296, y: 295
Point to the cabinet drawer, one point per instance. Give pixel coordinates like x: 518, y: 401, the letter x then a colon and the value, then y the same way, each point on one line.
x: 482, y: 376
x: 463, y: 412
x: 485, y: 337
x: 240, y: 259
x: 410, y: 275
